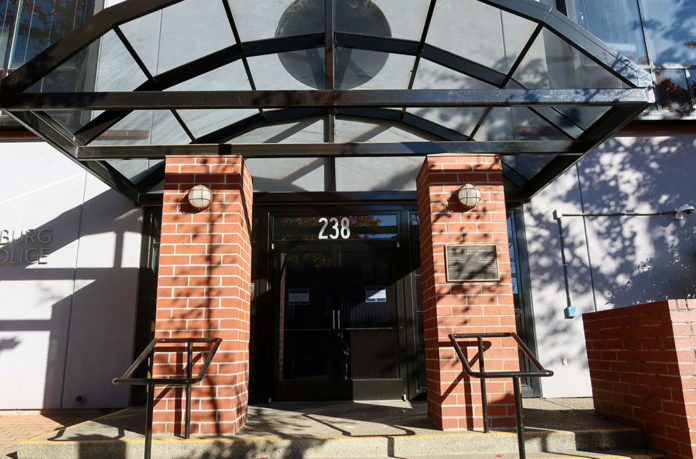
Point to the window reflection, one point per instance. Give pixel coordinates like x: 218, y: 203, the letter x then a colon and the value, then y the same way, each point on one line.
x: 28, y: 27
x: 673, y: 91
x: 616, y: 22
x: 669, y: 25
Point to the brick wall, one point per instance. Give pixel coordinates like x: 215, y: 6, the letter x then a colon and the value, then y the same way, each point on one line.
x: 204, y: 291
x: 454, y: 401
x: 643, y: 367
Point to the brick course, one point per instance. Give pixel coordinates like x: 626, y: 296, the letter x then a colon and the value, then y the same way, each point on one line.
x: 204, y: 291
x: 454, y: 400
x: 643, y: 367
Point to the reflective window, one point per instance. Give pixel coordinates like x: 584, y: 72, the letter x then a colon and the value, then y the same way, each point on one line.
x: 673, y: 91
x: 29, y: 27
x: 669, y: 26
x: 616, y: 22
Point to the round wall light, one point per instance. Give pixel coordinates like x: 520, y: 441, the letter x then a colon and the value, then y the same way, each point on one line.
x: 469, y: 196
x: 200, y: 197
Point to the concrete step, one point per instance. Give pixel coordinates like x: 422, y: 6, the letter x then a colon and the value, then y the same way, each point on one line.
x: 464, y: 444
x: 621, y: 454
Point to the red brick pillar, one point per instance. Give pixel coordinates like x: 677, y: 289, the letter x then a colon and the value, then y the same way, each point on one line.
x: 204, y: 291
x: 454, y: 400
x: 642, y: 363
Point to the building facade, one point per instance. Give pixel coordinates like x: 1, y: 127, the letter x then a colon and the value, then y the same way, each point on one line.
x: 336, y: 286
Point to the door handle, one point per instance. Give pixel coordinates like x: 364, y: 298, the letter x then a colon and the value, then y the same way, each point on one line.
x: 333, y: 319
x: 339, y: 319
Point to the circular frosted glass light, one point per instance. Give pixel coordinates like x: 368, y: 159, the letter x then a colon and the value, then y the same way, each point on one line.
x: 469, y: 196
x: 352, y: 67
x: 200, y: 197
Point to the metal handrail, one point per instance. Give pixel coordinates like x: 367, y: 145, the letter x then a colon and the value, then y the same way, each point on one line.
x: 189, y: 380
x: 515, y: 375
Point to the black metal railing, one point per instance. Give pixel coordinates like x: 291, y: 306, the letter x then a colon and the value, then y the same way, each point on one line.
x: 515, y: 375
x: 148, y: 355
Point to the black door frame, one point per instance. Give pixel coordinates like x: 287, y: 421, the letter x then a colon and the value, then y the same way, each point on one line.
x: 267, y: 205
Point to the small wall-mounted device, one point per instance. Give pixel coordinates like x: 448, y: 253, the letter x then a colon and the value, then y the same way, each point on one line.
x: 571, y: 312
x: 686, y: 209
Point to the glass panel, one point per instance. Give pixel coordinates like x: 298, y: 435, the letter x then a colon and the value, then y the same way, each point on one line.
x: 383, y: 174
x: 179, y: 34
x: 552, y: 63
x: 357, y: 68
x: 434, y: 76
x: 135, y: 170
x: 365, y: 131
x: 479, y: 32
x: 116, y: 68
x: 105, y: 65
x: 372, y: 353
x: 462, y: 120
x: 227, y: 78
x: 144, y: 36
x: 669, y: 25
x: 406, y: 17
x: 528, y: 165
x: 7, y: 27
x: 582, y: 116
x: 339, y: 227
x: 362, y: 17
x: 145, y: 127
x: 517, y: 123
x: 692, y: 85
x: 304, y: 131
x: 277, y: 18
x: 40, y: 24
x: 73, y: 120
x: 496, y: 126
x: 288, y: 174
x: 293, y: 70
x: 673, y: 91
x: 617, y: 23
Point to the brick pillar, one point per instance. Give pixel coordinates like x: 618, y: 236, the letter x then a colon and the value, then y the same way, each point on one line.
x: 204, y: 291
x: 643, y: 367
x: 454, y: 400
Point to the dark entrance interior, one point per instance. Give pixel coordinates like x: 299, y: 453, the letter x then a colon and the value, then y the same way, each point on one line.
x: 335, y: 311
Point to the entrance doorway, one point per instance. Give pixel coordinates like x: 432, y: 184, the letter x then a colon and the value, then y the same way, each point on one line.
x: 337, y: 306
x: 338, y: 333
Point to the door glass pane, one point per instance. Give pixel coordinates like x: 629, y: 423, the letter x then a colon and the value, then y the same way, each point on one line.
x: 305, y: 314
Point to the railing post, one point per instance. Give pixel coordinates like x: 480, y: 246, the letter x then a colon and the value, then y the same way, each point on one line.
x: 518, y: 416
x: 484, y: 395
x: 148, y: 413
x: 189, y: 349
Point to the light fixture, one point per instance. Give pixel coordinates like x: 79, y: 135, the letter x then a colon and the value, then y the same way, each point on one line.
x: 469, y: 196
x: 686, y: 209
x: 200, y: 197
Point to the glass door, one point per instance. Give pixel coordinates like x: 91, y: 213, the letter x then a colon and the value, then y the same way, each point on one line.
x: 337, y: 308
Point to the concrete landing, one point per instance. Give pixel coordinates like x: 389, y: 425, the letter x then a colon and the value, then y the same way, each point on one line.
x: 555, y: 428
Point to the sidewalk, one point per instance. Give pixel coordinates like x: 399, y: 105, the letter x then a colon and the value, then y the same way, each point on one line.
x: 17, y: 426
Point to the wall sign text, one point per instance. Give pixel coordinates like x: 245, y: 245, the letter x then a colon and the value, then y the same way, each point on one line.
x: 18, y: 247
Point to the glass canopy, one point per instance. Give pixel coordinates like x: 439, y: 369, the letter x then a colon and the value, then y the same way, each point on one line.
x: 145, y: 79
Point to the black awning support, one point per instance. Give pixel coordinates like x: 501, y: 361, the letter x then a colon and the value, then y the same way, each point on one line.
x: 192, y: 100
x: 302, y: 150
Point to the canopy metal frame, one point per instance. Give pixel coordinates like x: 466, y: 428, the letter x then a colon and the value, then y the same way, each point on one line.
x: 33, y: 109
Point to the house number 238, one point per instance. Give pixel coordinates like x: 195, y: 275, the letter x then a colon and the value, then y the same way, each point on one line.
x: 335, y: 228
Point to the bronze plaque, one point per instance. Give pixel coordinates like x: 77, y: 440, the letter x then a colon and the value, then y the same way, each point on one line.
x: 471, y: 263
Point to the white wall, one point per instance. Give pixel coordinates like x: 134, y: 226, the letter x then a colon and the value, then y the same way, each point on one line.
x: 612, y: 261
x: 66, y: 323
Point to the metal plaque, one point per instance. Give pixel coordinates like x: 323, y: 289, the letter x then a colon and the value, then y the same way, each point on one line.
x: 471, y: 263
